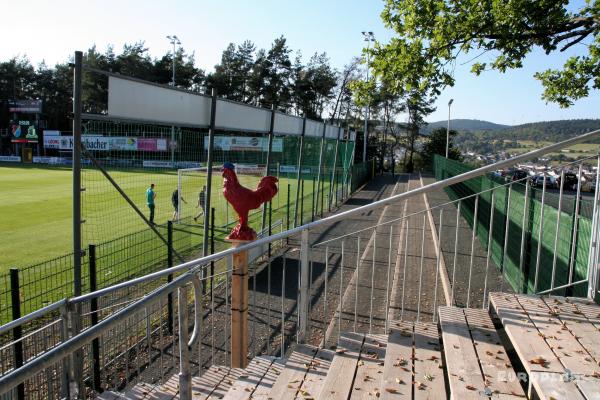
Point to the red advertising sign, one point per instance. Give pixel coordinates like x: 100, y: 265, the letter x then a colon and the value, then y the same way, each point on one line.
x: 145, y: 144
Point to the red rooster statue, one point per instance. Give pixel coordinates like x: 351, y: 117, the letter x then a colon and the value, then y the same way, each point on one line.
x: 243, y: 199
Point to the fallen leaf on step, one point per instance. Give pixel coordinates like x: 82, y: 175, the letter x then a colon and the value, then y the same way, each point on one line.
x: 539, y: 361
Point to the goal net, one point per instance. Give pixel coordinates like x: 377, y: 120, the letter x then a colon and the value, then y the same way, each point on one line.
x: 191, y: 193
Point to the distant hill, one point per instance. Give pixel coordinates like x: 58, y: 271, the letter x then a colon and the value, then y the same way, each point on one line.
x: 493, y: 141
x: 464, y: 125
x: 549, y: 130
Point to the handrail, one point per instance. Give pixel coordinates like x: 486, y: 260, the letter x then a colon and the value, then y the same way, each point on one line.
x: 76, y: 342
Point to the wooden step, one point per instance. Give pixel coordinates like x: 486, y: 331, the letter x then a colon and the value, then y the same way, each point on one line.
x: 369, y: 371
x: 476, y: 361
x: 340, y: 377
x: 413, y: 347
x: 556, y: 340
x: 315, y: 376
x: 291, y: 378
x: 215, y: 382
x: 478, y: 350
x: 253, y: 374
x: 261, y: 392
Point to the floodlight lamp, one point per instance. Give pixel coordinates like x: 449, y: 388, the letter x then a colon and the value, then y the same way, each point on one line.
x: 450, y: 102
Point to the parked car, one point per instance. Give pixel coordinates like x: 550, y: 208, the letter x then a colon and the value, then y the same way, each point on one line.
x: 538, y: 181
x: 570, y: 181
x: 519, y: 175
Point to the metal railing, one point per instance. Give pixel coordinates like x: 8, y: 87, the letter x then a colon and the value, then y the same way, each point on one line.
x: 152, y: 338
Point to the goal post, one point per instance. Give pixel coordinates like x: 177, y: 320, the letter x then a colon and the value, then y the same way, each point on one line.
x: 190, y: 182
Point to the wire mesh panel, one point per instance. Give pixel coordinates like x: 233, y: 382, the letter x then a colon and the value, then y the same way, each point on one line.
x: 518, y: 209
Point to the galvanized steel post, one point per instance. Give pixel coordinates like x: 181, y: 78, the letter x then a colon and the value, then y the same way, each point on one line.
x: 304, y: 283
x: 185, y: 375
x: 314, y: 210
x: 299, y: 166
x: 269, y: 149
x: 209, y: 166
x: 76, y: 162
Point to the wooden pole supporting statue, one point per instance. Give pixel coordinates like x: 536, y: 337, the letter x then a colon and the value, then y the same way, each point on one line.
x: 243, y: 200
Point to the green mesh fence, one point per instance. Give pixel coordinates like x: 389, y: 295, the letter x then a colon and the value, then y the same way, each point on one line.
x: 126, y: 247
x: 173, y: 157
x: 516, y: 257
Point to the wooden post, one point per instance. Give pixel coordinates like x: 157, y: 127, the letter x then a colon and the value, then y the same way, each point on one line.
x: 239, y: 307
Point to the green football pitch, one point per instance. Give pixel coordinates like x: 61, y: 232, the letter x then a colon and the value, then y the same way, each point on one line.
x: 36, y: 207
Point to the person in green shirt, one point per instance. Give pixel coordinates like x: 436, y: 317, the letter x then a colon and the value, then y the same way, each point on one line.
x: 150, y: 196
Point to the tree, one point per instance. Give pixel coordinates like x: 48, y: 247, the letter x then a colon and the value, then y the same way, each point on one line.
x: 436, y: 144
x: 432, y: 33
x: 278, y: 66
x: 342, y: 94
x: 418, y: 105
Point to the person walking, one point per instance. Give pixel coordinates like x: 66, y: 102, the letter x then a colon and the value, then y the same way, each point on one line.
x: 201, y: 203
x: 175, y: 202
x: 150, y: 197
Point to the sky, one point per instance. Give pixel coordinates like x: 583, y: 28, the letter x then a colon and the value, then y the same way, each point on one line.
x: 53, y: 30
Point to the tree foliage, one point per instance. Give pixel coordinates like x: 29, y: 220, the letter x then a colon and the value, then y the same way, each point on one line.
x: 263, y: 77
x: 436, y: 144
x: 431, y: 34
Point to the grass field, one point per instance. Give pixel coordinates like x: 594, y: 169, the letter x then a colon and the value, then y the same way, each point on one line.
x: 36, y: 206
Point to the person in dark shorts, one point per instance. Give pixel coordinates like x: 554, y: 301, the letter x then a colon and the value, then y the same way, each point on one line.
x: 150, y: 197
x: 175, y: 202
x: 201, y: 203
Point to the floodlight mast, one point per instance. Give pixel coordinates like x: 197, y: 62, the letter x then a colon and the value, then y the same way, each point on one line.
x: 174, y: 40
x: 448, y: 128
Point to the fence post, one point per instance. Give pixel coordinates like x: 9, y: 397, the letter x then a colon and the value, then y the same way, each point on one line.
x: 209, y: 165
x: 15, y: 297
x: 185, y: 376
x: 304, y: 282
x: 76, y: 171
x: 96, y: 378
x: 239, y: 308
x: 287, y: 210
x: 301, y: 202
x: 170, y: 276
x: 270, y: 226
x: 333, y: 171
x: 314, y: 207
x: 319, y: 192
x: 212, y: 248
x: 299, y: 176
x: 269, y: 151
x: 65, y: 381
